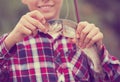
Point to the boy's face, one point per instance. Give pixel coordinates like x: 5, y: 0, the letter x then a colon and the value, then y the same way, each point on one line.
x: 49, y: 8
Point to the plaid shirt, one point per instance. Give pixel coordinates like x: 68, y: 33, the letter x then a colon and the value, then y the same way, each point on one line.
x: 44, y: 59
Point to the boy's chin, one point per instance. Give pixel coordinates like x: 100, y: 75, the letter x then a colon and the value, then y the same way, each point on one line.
x: 50, y: 17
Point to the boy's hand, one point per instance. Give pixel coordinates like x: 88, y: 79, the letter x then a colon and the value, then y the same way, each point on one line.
x: 88, y: 35
x: 28, y: 25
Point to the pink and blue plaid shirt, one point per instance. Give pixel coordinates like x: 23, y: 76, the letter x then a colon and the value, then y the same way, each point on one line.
x: 44, y: 59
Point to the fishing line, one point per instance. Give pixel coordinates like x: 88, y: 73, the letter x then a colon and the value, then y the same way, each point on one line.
x: 67, y: 9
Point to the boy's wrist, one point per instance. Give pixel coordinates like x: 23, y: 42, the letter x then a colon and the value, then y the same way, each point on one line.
x: 10, y: 41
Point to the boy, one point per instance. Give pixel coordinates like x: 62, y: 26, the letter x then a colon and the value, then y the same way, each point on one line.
x: 30, y: 54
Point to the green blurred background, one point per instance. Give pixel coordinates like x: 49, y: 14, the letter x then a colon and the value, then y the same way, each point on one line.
x: 104, y: 13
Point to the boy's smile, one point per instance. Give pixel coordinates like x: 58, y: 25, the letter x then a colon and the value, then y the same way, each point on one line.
x: 46, y: 7
x: 49, y: 8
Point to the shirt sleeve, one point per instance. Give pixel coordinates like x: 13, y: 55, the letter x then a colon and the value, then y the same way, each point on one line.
x: 110, y: 66
x: 4, y: 58
x: 5, y: 54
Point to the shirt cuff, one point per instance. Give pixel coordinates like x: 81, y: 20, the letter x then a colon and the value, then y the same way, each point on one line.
x: 105, y: 57
x: 4, y: 52
x: 103, y: 53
